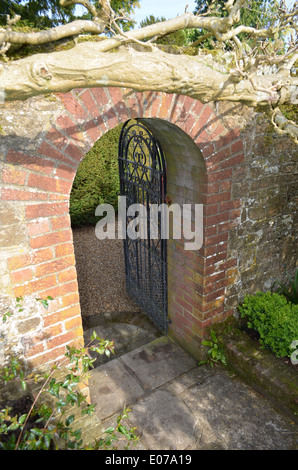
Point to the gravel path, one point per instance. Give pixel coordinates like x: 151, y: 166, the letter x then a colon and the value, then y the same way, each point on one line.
x: 101, y: 275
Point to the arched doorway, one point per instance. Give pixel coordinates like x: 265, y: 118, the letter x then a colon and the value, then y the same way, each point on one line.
x: 154, y: 152
x: 38, y: 246
x: 106, y: 307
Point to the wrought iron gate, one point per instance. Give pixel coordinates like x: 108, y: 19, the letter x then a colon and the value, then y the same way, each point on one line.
x: 142, y: 173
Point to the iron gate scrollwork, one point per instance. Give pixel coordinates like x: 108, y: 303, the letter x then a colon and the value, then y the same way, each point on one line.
x: 142, y: 171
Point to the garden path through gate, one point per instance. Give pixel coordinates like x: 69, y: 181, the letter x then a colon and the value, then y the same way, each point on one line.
x: 142, y: 171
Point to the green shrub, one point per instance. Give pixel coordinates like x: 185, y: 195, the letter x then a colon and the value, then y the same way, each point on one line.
x: 97, y: 180
x: 274, y: 318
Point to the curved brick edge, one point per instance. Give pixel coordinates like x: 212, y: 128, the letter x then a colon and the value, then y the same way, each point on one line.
x: 43, y: 181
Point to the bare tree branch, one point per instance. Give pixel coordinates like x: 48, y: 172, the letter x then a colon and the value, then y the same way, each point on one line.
x: 51, y: 35
x: 282, y: 125
x: 90, y: 7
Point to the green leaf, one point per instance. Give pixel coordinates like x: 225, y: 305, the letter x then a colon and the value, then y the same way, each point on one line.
x: 109, y: 430
x: 69, y: 420
x: 94, y: 335
x: 5, y: 316
x: 207, y: 343
x: 24, y: 385
x: 13, y: 426
x: 22, y: 418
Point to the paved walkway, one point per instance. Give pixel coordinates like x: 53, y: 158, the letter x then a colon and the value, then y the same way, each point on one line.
x: 178, y: 405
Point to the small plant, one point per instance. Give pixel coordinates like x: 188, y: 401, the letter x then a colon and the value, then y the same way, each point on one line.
x: 112, y: 434
x: 20, y: 308
x: 48, y: 423
x: 215, y: 352
x: 291, y: 292
x: 274, y: 318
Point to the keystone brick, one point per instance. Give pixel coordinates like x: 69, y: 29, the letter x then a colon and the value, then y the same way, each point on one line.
x: 89, y: 103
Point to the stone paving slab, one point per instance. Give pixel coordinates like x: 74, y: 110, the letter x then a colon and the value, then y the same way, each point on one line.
x: 126, y: 338
x: 232, y: 416
x: 158, y: 362
x: 165, y: 421
x: 112, y: 387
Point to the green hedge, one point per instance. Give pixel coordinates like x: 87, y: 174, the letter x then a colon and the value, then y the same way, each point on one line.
x: 274, y: 318
x: 97, y: 180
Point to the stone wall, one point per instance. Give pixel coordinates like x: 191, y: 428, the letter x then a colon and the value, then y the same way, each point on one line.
x: 265, y: 242
x: 250, y: 215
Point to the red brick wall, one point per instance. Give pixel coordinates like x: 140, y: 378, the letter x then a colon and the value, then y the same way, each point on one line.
x: 40, y: 183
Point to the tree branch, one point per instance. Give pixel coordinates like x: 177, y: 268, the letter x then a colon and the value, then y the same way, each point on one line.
x: 116, y: 62
x: 89, y: 6
x: 282, y: 125
x: 51, y: 35
x: 129, y: 68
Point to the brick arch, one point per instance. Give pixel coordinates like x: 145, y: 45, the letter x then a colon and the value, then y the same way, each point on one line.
x: 43, y: 181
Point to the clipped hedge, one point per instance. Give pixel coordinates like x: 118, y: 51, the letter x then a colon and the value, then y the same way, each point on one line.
x: 97, y: 180
x: 274, y: 318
